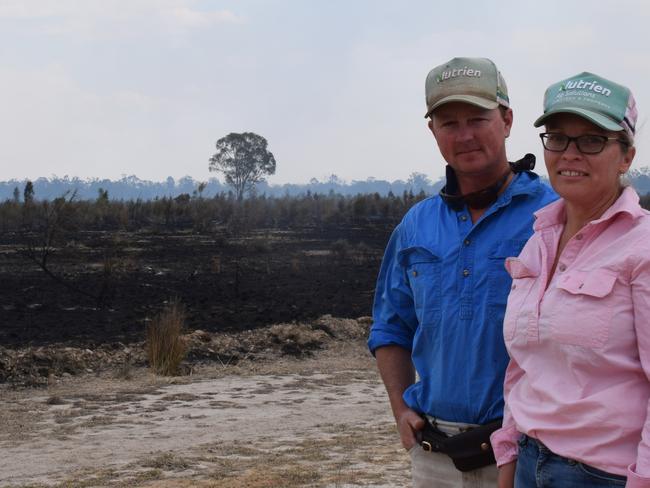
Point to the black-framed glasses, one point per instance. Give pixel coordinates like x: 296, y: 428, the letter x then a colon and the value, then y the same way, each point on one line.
x: 586, y: 144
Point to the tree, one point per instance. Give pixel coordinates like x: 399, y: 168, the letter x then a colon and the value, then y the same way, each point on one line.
x: 28, y: 192
x: 200, y: 188
x: 102, y: 196
x: 244, y: 161
x: 418, y: 181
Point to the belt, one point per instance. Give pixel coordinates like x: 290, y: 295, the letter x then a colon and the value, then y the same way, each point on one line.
x: 450, y: 428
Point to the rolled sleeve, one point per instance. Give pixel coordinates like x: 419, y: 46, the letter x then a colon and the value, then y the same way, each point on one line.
x: 504, y: 444
x: 634, y: 480
x: 394, y: 319
x: 504, y: 440
x: 639, y: 472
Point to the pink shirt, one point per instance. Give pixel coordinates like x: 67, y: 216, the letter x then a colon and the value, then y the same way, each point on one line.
x: 579, y: 374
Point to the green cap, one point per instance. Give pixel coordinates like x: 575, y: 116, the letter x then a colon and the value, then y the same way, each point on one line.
x: 470, y: 80
x: 607, y: 104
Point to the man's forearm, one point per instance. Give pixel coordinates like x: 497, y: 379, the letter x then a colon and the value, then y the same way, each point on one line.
x: 397, y: 373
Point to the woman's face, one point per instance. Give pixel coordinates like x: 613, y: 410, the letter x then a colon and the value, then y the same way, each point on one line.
x: 585, y: 179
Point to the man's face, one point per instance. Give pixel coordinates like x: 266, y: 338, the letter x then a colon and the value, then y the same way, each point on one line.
x: 470, y: 138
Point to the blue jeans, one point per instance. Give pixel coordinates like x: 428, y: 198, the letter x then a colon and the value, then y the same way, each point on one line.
x: 539, y: 467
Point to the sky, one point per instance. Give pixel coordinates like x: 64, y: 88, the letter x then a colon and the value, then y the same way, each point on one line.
x: 106, y: 88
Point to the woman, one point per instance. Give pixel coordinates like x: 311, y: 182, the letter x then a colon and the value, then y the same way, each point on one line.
x: 577, y: 326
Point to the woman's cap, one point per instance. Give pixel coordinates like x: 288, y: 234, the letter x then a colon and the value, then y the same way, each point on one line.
x: 470, y: 80
x: 607, y: 104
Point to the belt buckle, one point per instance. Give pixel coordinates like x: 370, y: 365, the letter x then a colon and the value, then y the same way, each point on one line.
x: 426, y: 446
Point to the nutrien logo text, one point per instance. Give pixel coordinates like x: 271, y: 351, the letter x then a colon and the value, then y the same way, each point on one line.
x: 456, y: 72
x: 586, y: 85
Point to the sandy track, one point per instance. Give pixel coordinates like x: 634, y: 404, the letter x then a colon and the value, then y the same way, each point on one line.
x: 321, y: 422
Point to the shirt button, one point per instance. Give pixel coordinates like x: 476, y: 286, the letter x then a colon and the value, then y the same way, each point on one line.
x: 561, y: 267
x: 466, y: 273
x: 463, y: 217
x: 579, y: 237
x: 513, y: 287
x: 467, y: 242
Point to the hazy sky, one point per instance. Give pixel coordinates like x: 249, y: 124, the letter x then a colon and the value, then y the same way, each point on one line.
x: 104, y: 88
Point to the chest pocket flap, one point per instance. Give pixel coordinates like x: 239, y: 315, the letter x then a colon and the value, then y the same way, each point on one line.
x: 585, y: 316
x: 416, y: 255
x: 597, y: 283
x: 518, y: 269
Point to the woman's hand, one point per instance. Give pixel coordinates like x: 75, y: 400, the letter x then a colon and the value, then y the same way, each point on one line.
x: 506, y: 478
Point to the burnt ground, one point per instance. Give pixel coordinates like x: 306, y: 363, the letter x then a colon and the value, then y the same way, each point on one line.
x: 109, y: 284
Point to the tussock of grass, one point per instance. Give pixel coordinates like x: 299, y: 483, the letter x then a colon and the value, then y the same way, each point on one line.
x: 165, y: 345
x: 55, y: 400
x: 167, y: 461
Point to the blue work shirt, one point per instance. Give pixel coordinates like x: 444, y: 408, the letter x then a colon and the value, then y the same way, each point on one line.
x: 441, y: 294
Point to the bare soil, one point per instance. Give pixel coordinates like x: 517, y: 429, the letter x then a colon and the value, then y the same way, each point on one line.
x: 293, y: 405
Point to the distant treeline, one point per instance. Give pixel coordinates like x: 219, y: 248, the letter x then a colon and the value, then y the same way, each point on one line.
x: 66, y: 215
x: 52, y: 219
x: 133, y: 188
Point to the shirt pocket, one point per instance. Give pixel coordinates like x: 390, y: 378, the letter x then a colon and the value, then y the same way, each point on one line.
x: 583, y: 314
x: 422, y: 268
x: 499, y: 280
x: 521, y: 300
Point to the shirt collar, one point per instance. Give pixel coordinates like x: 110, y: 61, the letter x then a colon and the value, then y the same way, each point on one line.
x: 524, y: 183
x: 555, y: 213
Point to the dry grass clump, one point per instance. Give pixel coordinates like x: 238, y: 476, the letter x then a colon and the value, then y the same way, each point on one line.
x: 167, y: 461
x: 165, y: 345
x: 55, y: 400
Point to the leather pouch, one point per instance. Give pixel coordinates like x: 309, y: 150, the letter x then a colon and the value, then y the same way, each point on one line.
x: 468, y: 450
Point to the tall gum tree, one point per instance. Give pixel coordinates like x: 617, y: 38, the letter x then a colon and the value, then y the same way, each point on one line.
x: 244, y: 161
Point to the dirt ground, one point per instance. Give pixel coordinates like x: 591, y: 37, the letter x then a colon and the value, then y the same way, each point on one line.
x: 270, y: 418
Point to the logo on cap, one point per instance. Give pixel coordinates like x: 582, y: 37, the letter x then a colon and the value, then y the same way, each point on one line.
x: 585, y: 85
x: 456, y: 72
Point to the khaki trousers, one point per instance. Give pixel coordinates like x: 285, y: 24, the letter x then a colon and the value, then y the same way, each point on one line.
x: 436, y: 470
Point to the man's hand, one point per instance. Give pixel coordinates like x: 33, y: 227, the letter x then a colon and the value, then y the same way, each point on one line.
x: 408, y: 423
x: 506, y: 477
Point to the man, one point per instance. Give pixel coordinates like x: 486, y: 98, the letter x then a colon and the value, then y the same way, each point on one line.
x: 442, y: 287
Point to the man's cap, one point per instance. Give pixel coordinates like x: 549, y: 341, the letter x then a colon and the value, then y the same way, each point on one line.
x: 470, y: 80
x: 607, y: 104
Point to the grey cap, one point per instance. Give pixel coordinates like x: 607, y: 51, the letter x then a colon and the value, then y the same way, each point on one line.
x: 470, y: 80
